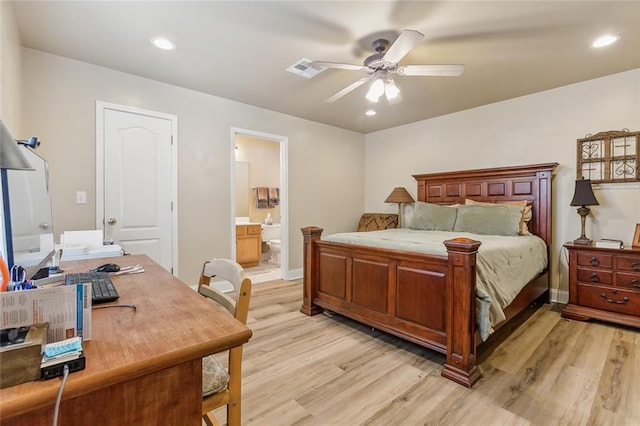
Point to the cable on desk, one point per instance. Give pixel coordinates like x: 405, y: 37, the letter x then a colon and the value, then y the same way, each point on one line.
x: 65, y: 374
x: 134, y: 307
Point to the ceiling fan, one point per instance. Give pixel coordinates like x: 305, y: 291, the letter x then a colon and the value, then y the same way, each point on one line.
x: 384, y: 62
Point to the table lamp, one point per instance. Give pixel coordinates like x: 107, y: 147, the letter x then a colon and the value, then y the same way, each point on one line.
x: 399, y: 195
x: 583, y: 197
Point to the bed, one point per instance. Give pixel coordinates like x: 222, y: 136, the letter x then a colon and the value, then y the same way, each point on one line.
x: 429, y: 299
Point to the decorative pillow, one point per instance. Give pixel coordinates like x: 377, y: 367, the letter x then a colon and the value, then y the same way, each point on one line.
x: 433, y: 217
x: 489, y: 220
x: 527, y: 214
x: 377, y: 221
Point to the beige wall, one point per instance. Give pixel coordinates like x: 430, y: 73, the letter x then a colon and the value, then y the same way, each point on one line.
x: 54, y: 98
x: 10, y: 72
x: 325, y: 163
x: 533, y: 129
x: 263, y: 157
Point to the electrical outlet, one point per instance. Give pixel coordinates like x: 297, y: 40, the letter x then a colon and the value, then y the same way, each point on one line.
x: 81, y: 197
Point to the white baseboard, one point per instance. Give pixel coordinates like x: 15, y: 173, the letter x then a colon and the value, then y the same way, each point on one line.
x: 293, y: 274
x: 559, y: 296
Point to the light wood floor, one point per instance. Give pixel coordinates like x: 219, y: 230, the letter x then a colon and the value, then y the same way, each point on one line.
x: 328, y: 370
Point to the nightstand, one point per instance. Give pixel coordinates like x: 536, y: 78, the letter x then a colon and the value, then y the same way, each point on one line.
x: 604, y: 284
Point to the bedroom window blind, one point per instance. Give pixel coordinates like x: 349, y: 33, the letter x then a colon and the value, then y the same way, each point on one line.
x: 608, y: 157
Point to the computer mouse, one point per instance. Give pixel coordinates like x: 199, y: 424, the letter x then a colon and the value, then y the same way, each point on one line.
x: 108, y: 267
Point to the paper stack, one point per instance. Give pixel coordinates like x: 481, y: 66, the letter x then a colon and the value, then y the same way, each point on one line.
x: 59, y: 352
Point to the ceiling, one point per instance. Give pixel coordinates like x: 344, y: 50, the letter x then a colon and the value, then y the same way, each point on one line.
x: 240, y: 50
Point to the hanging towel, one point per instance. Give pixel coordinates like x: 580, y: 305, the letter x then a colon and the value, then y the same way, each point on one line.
x: 261, y: 197
x: 274, y: 197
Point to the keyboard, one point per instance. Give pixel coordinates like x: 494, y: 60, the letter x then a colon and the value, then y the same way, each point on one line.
x: 103, y: 289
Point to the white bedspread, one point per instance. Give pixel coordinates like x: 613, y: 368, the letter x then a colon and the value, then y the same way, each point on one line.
x: 504, y: 264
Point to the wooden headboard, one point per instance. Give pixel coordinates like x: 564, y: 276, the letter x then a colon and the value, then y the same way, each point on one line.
x: 531, y: 183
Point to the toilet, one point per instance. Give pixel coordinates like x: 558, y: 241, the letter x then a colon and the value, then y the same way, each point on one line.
x: 274, y: 251
x: 271, y: 235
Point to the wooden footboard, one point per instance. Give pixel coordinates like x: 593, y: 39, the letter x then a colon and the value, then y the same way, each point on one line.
x: 429, y: 300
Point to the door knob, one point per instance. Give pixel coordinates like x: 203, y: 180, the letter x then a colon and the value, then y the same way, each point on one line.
x: 112, y: 221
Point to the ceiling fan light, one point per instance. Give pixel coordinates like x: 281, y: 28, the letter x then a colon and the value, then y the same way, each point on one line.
x: 376, y: 90
x: 391, y: 90
x: 372, y: 97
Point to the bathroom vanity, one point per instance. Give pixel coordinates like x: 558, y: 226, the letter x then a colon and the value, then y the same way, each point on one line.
x: 248, y: 244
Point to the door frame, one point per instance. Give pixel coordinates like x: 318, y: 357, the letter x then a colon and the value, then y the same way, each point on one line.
x: 284, y: 192
x: 101, y: 106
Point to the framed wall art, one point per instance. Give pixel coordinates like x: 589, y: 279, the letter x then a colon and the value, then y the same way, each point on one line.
x: 609, y: 157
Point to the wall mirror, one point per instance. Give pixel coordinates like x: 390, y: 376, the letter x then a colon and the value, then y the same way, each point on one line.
x: 243, y: 192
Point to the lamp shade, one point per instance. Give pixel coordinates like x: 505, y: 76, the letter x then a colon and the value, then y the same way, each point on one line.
x: 583, y: 195
x: 399, y: 195
x: 11, y: 157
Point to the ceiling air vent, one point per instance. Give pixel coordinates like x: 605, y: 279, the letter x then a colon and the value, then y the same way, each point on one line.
x: 304, y: 69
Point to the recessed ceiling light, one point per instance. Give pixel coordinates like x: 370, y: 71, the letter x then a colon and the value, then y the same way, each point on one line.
x: 605, y: 40
x: 163, y: 43
x: 370, y: 113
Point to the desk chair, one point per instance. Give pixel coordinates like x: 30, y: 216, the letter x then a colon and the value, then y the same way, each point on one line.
x: 221, y: 387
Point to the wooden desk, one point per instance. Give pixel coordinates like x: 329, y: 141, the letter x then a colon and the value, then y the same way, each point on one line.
x: 143, y: 367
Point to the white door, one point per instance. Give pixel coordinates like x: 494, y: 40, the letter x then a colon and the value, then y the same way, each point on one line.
x: 138, y: 181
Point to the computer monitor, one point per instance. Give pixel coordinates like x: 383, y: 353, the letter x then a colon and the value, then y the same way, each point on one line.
x: 28, y: 221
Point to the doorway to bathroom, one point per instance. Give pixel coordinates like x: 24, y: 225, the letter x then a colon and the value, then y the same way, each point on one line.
x: 259, y: 188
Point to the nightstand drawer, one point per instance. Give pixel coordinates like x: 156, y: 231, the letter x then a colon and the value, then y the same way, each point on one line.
x: 624, y: 263
x: 624, y: 279
x: 609, y: 299
x: 595, y: 276
x: 595, y: 260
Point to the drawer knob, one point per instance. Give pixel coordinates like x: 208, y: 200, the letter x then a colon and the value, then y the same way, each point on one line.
x: 594, y: 277
x: 635, y: 283
x: 619, y: 302
x: 635, y: 266
x: 594, y: 261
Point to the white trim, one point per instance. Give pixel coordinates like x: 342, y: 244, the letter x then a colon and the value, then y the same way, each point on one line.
x: 559, y: 296
x: 100, y: 109
x: 284, y: 192
x: 295, y: 274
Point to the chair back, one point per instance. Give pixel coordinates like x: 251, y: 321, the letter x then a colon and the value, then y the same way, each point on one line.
x: 232, y: 272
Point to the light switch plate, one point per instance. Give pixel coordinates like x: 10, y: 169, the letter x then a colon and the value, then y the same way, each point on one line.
x: 81, y: 197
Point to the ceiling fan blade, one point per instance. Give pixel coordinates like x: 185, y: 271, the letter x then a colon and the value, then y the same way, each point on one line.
x: 403, y: 44
x: 337, y: 65
x: 431, y: 70
x: 349, y: 88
